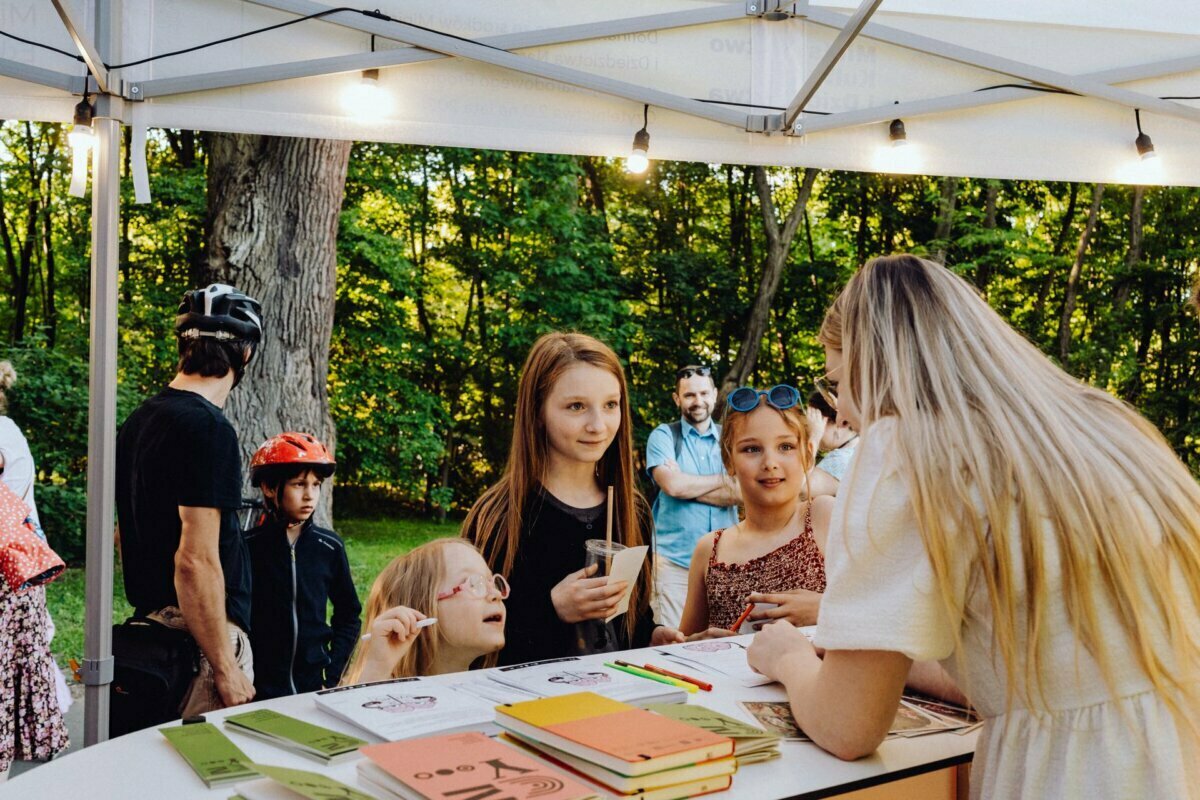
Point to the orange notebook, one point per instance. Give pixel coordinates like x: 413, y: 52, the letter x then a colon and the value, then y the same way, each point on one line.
x: 460, y: 765
x: 629, y: 741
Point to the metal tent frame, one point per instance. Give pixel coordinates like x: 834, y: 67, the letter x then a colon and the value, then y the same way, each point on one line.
x: 117, y: 100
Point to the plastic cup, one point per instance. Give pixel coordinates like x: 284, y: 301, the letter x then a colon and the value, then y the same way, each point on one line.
x: 601, y: 552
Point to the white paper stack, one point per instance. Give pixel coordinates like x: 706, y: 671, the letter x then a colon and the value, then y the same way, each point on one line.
x: 408, y: 707
x: 568, y: 675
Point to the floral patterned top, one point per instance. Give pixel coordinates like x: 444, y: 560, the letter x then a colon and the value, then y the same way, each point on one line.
x: 798, y: 564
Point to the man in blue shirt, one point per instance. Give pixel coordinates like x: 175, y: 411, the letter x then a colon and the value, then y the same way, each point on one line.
x: 696, y: 494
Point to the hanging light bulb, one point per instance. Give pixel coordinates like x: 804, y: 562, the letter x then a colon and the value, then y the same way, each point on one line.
x: 1145, y: 147
x: 898, y: 156
x: 365, y: 98
x: 638, y: 159
x: 897, y: 133
x: 81, y: 138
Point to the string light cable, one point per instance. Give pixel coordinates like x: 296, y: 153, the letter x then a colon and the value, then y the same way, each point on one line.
x: 379, y: 15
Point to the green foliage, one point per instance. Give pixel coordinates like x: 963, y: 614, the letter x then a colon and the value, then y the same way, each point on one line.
x: 452, y: 262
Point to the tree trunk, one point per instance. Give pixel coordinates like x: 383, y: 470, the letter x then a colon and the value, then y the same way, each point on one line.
x: 1060, y: 243
x: 779, y: 241
x: 946, y: 204
x: 1064, y: 322
x: 1133, y: 255
x: 273, y: 206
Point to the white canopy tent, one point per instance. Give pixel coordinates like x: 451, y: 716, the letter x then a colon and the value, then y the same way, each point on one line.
x: 1043, y: 89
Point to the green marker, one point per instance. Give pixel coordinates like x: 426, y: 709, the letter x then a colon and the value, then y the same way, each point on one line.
x: 642, y: 673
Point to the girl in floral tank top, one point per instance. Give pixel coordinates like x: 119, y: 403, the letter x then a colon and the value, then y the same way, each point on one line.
x: 776, y: 553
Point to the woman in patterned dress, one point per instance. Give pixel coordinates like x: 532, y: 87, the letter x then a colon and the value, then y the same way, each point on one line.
x: 31, y: 721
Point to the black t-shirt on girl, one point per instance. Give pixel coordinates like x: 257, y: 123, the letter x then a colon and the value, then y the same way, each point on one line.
x: 177, y: 449
x: 551, y: 547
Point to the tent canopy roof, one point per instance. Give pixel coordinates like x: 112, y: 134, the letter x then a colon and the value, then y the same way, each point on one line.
x: 978, y: 84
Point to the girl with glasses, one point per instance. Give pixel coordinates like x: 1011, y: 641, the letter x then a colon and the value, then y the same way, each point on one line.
x: 572, y: 439
x: 775, y: 555
x: 445, y: 579
x: 1056, y: 577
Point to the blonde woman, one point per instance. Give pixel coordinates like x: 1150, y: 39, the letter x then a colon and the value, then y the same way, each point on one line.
x: 446, y: 579
x: 1057, y: 577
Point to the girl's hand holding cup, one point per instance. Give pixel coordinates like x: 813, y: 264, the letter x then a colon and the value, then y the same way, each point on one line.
x: 578, y: 596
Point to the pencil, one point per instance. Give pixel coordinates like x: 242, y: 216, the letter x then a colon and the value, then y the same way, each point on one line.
x: 678, y: 676
x: 745, y: 615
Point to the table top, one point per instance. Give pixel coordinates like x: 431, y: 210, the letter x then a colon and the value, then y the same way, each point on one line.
x: 143, y: 765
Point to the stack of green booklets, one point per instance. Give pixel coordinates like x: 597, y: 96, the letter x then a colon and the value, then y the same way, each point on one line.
x: 750, y: 744
x: 322, y: 744
x: 282, y: 783
x: 210, y: 753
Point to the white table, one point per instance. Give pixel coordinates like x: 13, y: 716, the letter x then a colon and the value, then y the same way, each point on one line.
x: 143, y: 766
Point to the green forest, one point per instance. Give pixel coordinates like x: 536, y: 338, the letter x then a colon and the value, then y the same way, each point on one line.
x: 451, y: 262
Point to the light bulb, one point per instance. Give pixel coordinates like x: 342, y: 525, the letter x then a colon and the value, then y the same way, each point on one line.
x: 81, y: 137
x: 897, y: 134
x: 638, y: 160
x: 366, y: 99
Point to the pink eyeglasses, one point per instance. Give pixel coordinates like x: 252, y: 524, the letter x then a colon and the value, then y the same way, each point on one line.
x: 477, y: 586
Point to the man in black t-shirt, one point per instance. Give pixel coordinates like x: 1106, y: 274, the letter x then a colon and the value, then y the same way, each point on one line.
x: 179, y: 484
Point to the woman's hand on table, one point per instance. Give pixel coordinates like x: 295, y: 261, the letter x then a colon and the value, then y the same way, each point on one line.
x: 664, y: 635
x: 775, y: 645
x: 578, y: 597
x: 710, y: 633
x: 390, y: 637
x: 799, y: 606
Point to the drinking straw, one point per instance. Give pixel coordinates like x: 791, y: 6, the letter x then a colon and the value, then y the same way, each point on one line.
x: 608, y: 535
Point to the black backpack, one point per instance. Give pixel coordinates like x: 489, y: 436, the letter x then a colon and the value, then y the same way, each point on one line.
x: 153, y: 667
x: 676, y: 428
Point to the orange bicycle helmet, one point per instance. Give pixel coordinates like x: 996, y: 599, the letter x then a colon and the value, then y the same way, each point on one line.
x: 289, y: 449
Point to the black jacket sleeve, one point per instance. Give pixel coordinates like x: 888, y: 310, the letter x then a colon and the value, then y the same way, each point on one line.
x: 346, y: 621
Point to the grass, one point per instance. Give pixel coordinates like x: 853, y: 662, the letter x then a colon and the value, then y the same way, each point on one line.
x: 370, y: 545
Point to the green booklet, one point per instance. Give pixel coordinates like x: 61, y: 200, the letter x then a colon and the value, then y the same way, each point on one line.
x: 283, y: 783
x: 210, y: 753
x: 326, y: 746
x: 750, y: 744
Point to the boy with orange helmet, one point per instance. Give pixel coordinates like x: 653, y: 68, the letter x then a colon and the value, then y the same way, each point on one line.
x: 298, y: 567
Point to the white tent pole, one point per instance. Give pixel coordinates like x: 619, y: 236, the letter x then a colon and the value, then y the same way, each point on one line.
x: 474, y: 51
x: 1007, y: 94
x: 828, y: 61
x: 1006, y: 66
x: 102, y: 393
x: 159, y: 87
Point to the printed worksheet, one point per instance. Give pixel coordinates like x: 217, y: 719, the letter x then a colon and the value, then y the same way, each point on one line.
x: 408, y: 707
x: 560, y: 676
x: 726, y: 657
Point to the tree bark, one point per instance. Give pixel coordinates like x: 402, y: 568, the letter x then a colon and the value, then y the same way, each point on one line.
x: 273, y: 206
x: 1133, y: 255
x: 946, y: 204
x: 779, y: 241
x: 1060, y: 243
x: 1064, y: 322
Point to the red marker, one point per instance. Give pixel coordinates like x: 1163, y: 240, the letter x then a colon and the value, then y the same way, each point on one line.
x: 679, y: 677
x: 745, y: 616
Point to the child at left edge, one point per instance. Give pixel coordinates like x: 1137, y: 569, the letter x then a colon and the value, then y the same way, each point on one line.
x: 297, y: 568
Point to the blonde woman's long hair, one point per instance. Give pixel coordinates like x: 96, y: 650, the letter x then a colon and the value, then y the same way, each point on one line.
x: 1100, y: 484
x: 496, y: 520
x: 409, y: 580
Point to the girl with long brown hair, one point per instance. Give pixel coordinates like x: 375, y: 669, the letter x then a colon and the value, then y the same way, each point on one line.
x: 1033, y: 533
x: 572, y: 439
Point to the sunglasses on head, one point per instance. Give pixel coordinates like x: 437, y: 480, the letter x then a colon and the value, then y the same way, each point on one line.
x: 687, y: 372
x: 780, y: 396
